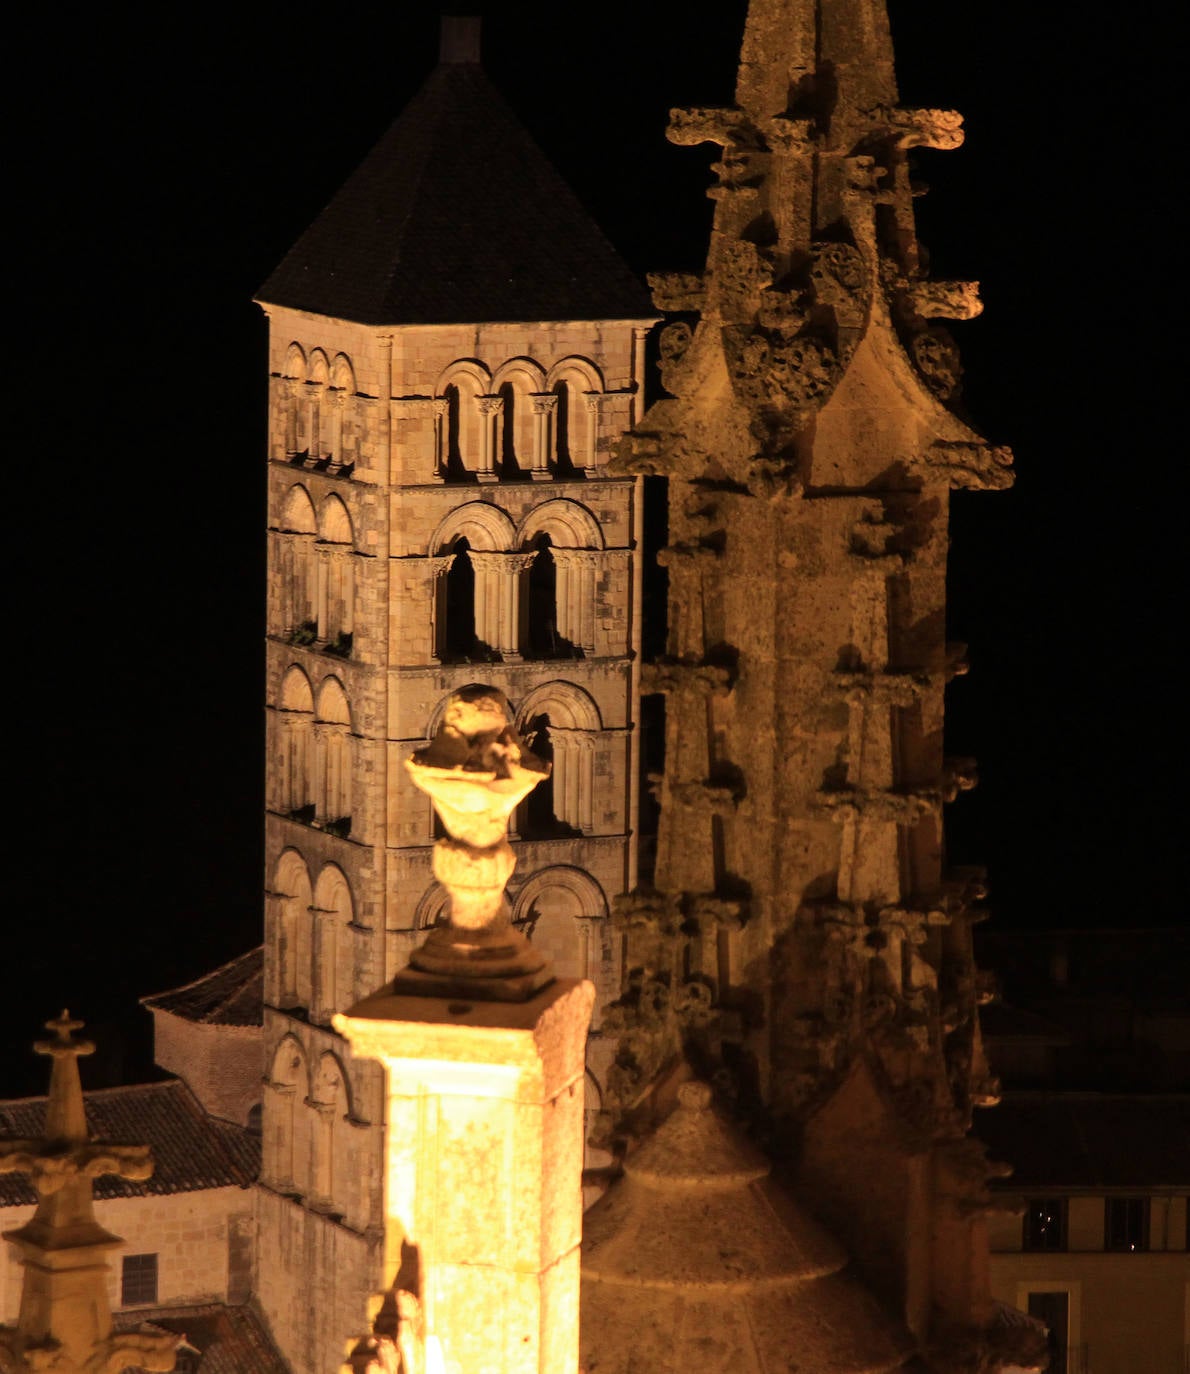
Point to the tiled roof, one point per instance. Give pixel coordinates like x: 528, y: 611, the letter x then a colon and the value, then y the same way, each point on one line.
x: 233, y: 995
x: 190, y: 1149
x: 231, y: 1340
x: 1090, y: 1140
x: 456, y: 216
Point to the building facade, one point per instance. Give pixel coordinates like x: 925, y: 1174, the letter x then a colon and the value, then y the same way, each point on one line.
x: 440, y: 512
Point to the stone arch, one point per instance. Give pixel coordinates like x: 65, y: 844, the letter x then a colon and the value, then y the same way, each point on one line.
x: 333, y: 706
x: 293, y: 898
x: 334, y: 963
x: 343, y: 374
x: 482, y: 524
x: 296, y: 366
x: 555, y: 908
x: 297, y: 512
x: 433, y: 907
x: 463, y: 447
x: 582, y: 369
x: 319, y: 371
x: 336, y: 576
x: 568, y: 524
x: 560, y: 723
x: 436, y: 715
x: 296, y: 693
x: 292, y: 742
x: 516, y: 382
x: 334, y: 526
x: 568, y: 705
x: 287, y: 1088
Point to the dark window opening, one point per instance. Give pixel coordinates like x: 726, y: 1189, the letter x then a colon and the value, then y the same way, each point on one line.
x: 138, y: 1280
x: 1053, y: 1308
x: 458, y: 636
x: 562, y: 437
x: 1045, y: 1224
x: 541, y: 821
x: 511, y: 461
x: 544, y: 640
x: 1126, y: 1224
x: 456, y: 468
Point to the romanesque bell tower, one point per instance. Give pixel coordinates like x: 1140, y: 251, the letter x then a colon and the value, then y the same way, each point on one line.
x: 455, y: 352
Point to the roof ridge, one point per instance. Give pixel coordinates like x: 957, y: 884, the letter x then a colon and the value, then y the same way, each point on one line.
x: 202, y: 978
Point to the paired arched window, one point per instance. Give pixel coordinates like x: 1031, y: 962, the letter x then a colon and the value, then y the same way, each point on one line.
x: 312, y: 745
x: 319, y: 423
x: 332, y: 761
x: 566, y: 540
x: 297, y: 589
x: 315, y: 572
x: 310, y: 1146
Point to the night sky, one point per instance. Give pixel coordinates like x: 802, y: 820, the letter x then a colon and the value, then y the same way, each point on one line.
x: 159, y: 177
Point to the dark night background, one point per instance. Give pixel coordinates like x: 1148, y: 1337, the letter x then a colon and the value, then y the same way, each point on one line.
x: 163, y: 167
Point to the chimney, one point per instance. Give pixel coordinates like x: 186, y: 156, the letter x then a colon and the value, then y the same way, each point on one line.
x: 460, y: 39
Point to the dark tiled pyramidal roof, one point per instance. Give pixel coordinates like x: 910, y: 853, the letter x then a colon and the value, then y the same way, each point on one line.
x: 190, y: 1149
x: 456, y: 216
x: 232, y: 995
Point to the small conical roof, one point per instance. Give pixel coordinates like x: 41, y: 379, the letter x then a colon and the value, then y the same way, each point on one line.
x: 697, y: 1259
x: 456, y: 216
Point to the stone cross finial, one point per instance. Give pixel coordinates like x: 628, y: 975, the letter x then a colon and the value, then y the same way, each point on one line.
x: 476, y: 772
x: 65, y: 1322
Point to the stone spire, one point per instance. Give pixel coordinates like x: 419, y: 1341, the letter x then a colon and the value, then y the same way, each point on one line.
x: 65, y: 1321
x: 804, y: 939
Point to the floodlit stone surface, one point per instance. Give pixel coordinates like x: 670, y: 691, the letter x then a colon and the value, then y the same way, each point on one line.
x: 697, y: 1257
x: 484, y: 1118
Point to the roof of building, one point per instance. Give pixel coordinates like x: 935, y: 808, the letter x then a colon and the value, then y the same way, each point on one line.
x: 456, y: 216
x: 1090, y: 1141
x: 191, y: 1150
x: 231, y: 995
x: 230, y: 1340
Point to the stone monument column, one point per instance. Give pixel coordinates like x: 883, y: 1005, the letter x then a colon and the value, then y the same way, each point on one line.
x: 484, y: 1056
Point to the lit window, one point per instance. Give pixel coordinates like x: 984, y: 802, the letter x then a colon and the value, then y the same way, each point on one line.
x: 1126, y: 1224
x: 138, y: 1281
x: 1045, y: 1224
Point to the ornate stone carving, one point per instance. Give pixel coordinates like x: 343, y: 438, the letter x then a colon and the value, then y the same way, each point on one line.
x: 942, y: 129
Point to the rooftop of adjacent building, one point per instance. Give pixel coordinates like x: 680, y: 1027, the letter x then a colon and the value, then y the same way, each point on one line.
x: 191, y: 1150
x: 1089, y: 1141
x: 456, y: 216
x: 231, y: 995
x: 216, y: 1338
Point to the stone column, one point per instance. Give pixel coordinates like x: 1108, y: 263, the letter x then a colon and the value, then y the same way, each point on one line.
x: 441, y: 411
x: 544, y: 403
x: 594, y: 399
x: 491, y: 408
x: 484, y: 1053
x: 575, y: 596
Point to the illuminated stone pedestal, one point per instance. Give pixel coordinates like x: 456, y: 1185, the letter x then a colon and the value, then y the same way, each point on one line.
x: 483, y: 1172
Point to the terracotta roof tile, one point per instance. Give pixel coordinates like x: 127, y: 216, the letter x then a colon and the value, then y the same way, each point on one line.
x: 232, y: 995
x: 191, y: 1150
x: 231, y: 1340
x: 456, y: 216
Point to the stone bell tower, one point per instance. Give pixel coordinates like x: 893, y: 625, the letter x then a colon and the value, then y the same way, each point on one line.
x: 455, y: 351
x: 807, y: 942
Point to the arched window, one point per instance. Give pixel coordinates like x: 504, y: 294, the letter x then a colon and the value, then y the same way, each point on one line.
x: 336, y: 578
x: 568, y: 542
x: 340, y: 400
x: 578, y: 386
x: 292, y: 901
x: 567, y: 434
x: 334, y: 965
x: 556, y: 908
x: 328, y: 1100
x: 318, y: 428
x: 332, y: 737
x: 294, y: 418
x: 465, y: 439
x: 297, y: 578
x: 560, y: 723
x: 524, y: 427
x: 457, y: 628
x: 286, y: 1160
x: 294, y: 725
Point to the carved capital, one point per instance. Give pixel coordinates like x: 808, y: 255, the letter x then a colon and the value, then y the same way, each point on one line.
x: 490, y: 405
x: 544, y: 402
